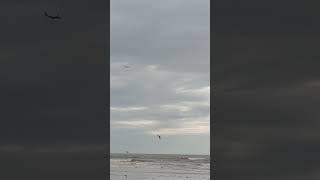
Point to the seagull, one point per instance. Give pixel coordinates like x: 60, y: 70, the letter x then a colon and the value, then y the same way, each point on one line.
x: 159, y: 136
x: 52, y: 17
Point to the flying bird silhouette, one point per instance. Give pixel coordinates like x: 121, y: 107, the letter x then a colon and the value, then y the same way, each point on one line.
x: 52, y: 17
x: 159, y: 136
x: 126, y: 66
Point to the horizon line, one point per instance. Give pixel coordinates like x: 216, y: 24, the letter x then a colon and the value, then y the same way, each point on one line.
x: 159, y: 154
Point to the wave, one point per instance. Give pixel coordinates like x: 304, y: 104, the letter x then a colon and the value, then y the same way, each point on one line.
x: 177, y: 160
x: 194, y: 159
x: 120, y: 160
x: 142, y: 160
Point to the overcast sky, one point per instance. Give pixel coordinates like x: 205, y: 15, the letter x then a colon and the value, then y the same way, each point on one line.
x: 166, y: 90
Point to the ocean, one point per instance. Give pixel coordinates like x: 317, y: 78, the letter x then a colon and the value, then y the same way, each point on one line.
x: 159, y: 167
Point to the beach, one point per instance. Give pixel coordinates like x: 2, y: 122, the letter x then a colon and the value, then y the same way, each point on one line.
x: 159, y: 167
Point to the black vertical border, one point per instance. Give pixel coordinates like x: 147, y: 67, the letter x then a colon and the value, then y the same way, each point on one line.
x: 212, y: 108
x: 107, y: 109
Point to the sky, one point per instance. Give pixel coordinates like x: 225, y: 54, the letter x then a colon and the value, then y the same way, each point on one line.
x: 266, y: 81
x: 166, y: 89
x: 53, y: 85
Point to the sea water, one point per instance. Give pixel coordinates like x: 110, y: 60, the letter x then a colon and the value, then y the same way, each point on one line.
x: 159, y: 167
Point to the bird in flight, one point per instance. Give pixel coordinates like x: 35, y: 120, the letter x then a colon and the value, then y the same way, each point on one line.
x: 52, y: 17
x: 159, y: 136
x: 126, y: 66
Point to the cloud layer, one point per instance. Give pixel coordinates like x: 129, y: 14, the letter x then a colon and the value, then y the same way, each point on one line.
x: 166, y: 88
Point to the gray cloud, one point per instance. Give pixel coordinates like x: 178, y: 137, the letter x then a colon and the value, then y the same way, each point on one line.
x: 166, y: 45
